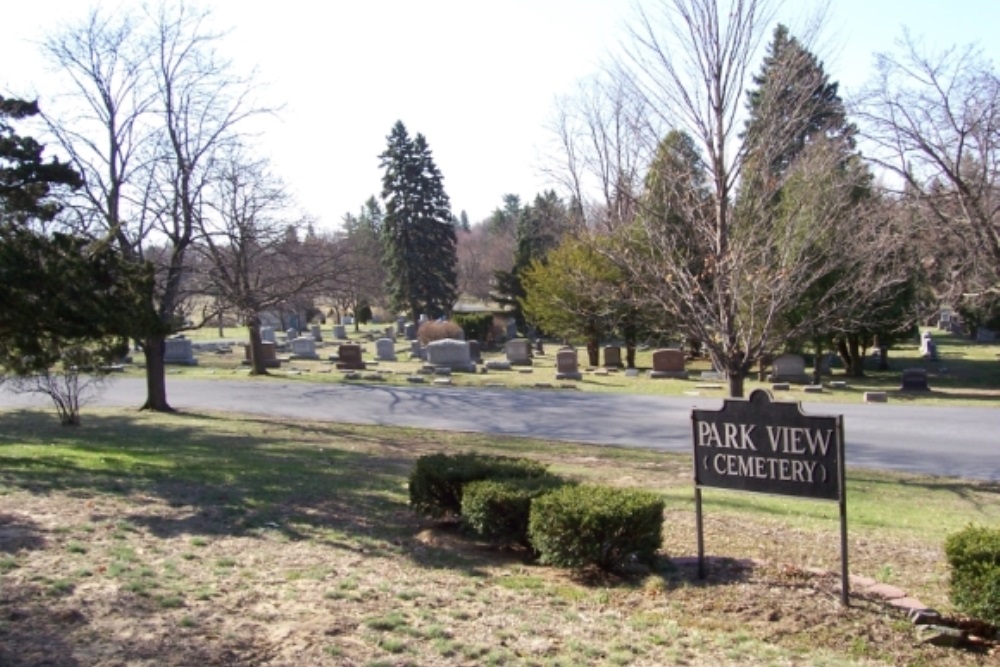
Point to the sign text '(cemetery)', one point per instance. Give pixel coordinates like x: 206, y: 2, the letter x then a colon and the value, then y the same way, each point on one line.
x: 757, y: 445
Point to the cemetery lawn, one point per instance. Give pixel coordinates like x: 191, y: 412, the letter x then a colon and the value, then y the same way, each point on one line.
x: 215, y: 539
x: 967, y: 373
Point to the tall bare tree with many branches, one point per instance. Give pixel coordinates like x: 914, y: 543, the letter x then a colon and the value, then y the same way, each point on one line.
x: 152, y: 105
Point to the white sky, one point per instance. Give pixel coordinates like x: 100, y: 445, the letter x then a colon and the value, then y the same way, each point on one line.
x: 478, y: 79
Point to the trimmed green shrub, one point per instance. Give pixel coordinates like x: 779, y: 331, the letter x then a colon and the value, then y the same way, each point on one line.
x: 974, y: 556
x: 498, y: 509
x: 575, y: 526
x: 437, y: 479
x: 477, y: 326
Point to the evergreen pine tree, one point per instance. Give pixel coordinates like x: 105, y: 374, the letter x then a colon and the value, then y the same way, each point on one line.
x: 417, y: 231
x: 539, y: 228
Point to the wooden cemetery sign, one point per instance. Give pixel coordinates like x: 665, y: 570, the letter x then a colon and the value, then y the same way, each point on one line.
x: 761, y: 446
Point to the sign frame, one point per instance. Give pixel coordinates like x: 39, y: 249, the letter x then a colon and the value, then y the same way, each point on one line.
x: 759, y: 445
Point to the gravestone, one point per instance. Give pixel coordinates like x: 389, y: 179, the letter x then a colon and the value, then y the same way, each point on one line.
x: 339, y: 332
x: 411, y: 331
x: 179, y: 351
x: 450, y: 353
x: 632, y: 372
x: 668, y: 363
x: 347, y: 320
x: 291, y: 334
x: 267, y: 335
x: 928, y: 348
x: 944, y: 320
x: 317, y: 334
x: 304, y: 347
x: 349, y: 355
x: 400, y: 326
x: 914, y: 379
x: 518, y: 352
x: 789, y: 368
x: 390, y: 332
x: 497, y: 365
x: 612, y: 356
x: 511, y: 329
x: 385, y: 349
x: 539, y: 346
x: 475, y: 351
x: 567, y: 365
x: 415, y: 349
x: 268, y: 355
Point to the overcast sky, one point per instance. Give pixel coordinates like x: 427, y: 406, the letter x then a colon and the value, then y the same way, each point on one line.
x: 478, y: 79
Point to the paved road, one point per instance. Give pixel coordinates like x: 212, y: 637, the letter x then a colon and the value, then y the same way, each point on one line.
x: 960, y: 442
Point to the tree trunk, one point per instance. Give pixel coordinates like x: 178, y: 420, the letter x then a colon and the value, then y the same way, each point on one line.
x: 153, y: 348
x: 818, y: 362
x: 849, y: 349
x: 630, y: 355
x: 593, y: 352
x: 883, y: 357
x: 256, y: 353
x: 736, y: 382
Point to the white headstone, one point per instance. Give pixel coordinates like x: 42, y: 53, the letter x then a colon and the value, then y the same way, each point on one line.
x: 304, y: 348
x: 267, y: 335
x: 789, y: 368
x: 450, y: 353
x: 385, y: 349
x: 339, y: 332
x: 179, y: 351
x: 316, y: 333
x: 518, y: 351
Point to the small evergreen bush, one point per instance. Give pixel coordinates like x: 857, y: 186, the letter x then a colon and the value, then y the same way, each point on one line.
x: 437, y: 480
x: 974, y: 556
x: 575, y: 526
x: 431, y: 331
x: 477, y: 326
x: 498, y: 509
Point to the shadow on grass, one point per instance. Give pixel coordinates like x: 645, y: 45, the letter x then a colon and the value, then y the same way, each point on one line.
x: 336, y: 484
x: 18, y: 533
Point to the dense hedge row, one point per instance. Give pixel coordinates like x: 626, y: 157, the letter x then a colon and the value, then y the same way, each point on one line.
x: 974, y: 556
x: 517, y: 501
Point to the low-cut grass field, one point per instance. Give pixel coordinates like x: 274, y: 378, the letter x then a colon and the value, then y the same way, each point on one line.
x: 217, y: 539
x: 966, y: 373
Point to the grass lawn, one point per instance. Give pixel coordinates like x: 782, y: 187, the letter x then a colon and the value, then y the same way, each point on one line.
x: 193, y: 539
x: 967, y: 373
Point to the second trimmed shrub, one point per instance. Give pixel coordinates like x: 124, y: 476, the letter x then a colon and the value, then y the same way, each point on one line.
x: 604, y: 526
x: 498, y: 509
x: 437, y: 480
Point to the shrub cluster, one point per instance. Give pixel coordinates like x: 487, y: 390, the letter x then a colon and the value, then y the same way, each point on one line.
x: 974, y: 556
x: 477, y: 326
x: 437, y: 480
x: 431, y: 331
x: 512, y: 500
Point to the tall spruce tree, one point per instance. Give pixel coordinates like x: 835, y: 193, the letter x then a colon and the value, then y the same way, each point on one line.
x: 539, y: 228
x: 794, y: 97
x: 417, y: 231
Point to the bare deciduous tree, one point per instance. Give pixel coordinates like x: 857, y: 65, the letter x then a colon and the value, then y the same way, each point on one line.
x: 153, y: 103
x: 251, y: 263
x: 933, y: 120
